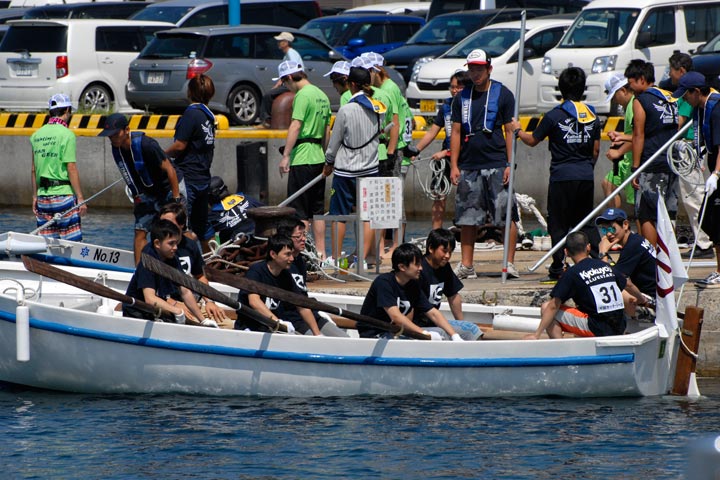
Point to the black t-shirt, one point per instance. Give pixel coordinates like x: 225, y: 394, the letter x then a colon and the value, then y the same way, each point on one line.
x: 144, y: 278
x: 229, y: 216
x: 434, y: 283
x: 298, y: 271
x: 483, y: 150
x: 596, y: 290
x: 571, y: 145
x: 195, y: 128
x: 260, y: 272
x: 661, y: 123
x: 152, y: 157
x: 386, y: 292
x: 190, y: 257
x: 637, y: 261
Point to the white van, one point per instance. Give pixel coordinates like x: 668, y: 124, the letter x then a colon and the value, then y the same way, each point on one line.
x: 607, y: 34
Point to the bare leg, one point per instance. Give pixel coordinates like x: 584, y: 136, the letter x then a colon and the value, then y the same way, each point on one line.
x: 468, y: 233
x: 647, y: 229
x: 438, y: 213
x: 318, y: 229
x: 369, y: 238
x: 139, y: 243
x: 608, y: 188
x: 337, y: 235
x: 513, y: 242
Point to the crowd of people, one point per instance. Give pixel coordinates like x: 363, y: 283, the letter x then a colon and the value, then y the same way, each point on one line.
x: 172, y: 190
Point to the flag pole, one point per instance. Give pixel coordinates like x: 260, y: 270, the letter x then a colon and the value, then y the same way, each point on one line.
x: 513, y: 152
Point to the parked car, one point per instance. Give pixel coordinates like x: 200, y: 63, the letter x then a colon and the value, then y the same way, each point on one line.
x: 195, y: 13
x: 439, y: 7
x: 707, y: 61
x: 86, y: 10
x: 84, y: 59
x: 443, y: 32
x: 501, y: 42
x: 242, y: 62
x: 607, y: 34
x: 7, y: 14
x: 419, y: 9
x: 352, y: 35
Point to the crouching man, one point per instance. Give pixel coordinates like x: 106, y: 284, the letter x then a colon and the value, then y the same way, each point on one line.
x: 597, y: 291
x: 395, y: 296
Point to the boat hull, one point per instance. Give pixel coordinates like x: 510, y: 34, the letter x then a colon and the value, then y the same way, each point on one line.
x: 82, y: 351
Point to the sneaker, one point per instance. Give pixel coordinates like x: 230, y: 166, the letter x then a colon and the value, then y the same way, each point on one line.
x: 711, y: 281
x: 700, y: 253
x: 463, y: 272
x: 512, y: 271
x: 549, y: 280
x: 328, y: 262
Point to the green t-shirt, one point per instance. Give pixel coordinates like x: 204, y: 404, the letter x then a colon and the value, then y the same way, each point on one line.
x: 685, y: 110
x: 383, y: 97
x: 312, y: 107
x: 345, y: 97
x: 628, y: 127
x: 53, y: 148
x: 402, y: 109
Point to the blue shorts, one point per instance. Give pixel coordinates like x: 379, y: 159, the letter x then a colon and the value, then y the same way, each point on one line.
x: 343, y: 195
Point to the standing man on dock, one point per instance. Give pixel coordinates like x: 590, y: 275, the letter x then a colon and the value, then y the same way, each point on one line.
x: 303, y: 157
x: 55, y: 179
x: 480, y: 159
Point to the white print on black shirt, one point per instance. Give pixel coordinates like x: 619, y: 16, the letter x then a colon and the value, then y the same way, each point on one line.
x: 404, y: 306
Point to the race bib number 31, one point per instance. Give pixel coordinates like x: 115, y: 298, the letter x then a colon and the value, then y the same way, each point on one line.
x: 607, y: 297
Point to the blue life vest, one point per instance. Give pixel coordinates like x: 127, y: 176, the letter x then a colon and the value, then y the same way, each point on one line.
x: 133, y: 169
x: 447, y: 117
x: 706, y: 127
x: 492, y: 107
x: 205, y: 110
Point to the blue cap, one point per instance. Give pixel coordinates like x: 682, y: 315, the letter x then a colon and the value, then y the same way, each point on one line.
x: 611, y: 215
x: 688, y: 81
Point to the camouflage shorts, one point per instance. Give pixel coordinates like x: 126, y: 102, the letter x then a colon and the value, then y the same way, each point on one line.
x: 646, y: 197
x: 481, y: 198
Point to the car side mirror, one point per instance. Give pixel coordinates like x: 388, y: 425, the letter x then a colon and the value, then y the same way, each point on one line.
x: 644, y: 40
x: 356, y: 43
x: 333, y: 55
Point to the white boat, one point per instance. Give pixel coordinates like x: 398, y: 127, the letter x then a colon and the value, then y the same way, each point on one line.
x: 68, y: 345
x: 65, y: 252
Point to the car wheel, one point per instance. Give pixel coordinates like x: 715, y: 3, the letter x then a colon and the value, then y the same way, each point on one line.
x: 243, y: 105
x: 95, y: 98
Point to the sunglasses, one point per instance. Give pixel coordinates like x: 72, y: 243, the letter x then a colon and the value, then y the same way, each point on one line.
x: 605, y: 230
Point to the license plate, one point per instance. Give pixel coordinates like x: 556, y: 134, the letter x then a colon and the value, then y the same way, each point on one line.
x: 427, y: 105
x: 156, y: 78
x: 24, y: 69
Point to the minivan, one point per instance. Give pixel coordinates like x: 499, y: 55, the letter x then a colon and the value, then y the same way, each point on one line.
x: 607, y: 34
x: 84, y: 59
x: 196, y: 13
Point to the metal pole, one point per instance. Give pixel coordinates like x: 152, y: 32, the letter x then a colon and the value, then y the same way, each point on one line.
x: 591, y: 215
x: 304, y: 189
x: 513, y: 152
x: 234, y: 16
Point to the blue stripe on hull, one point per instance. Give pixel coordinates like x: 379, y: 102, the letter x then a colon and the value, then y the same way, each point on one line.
x: 322, y: 358
x: 73, y: 262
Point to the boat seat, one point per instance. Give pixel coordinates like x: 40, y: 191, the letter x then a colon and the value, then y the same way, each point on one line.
x: 86, y: 305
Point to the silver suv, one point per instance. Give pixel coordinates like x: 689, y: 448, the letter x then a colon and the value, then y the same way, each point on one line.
x: 242, y: 62
x: 84, y: 59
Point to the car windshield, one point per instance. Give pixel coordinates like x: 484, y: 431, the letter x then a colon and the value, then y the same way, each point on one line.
x: 495, y: 42
x: 600, y: 28
x: 162, y: 14
x: 173, y: 46
x: 446, y: 29
x: 332, y: 33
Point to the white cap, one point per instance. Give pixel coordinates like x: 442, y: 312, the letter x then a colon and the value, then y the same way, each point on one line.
x: 376, y: 59
x: 342, y: 67
x: 287, y: 36
x: 478, y: 57
x: 363, y: 62
x: 613, y: 84
x: 288, y: 68
x: 59, y: 100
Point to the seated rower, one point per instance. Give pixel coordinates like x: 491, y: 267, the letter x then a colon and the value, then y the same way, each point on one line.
x: 594, y: 286
x: 395, y: 296
x: 437, y: 279
x: 191, y: 259
x: 295, y: 229
x: 637, y: 257
x: 275, y: 272
x: 159, y: 291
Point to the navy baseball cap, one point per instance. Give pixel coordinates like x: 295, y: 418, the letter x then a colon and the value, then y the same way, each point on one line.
x: 113, y: 124
x: 689, y: 81
x: 611, y: 215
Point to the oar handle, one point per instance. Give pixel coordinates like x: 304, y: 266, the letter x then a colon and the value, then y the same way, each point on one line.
x: 47, y: 270
x: 180, y: 278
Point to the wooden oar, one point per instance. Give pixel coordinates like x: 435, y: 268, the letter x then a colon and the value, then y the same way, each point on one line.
x: 158, y: 267
x: 47, y: 270
x: 302, y: 301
